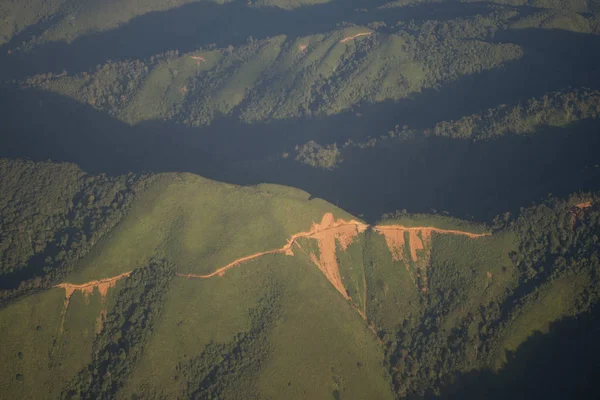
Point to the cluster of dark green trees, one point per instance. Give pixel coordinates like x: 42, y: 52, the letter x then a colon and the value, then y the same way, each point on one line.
x: 315, y: 155
x: 554, y: 109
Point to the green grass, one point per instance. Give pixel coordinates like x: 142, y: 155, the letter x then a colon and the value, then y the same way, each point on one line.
x: 34, y: 347
x: 162, y: 91
x: 201, y: 225
x: 195, y: 313
x: 352, y: 272
x: 318, y: 343
x: 321, y: 344
x: 392, y: 295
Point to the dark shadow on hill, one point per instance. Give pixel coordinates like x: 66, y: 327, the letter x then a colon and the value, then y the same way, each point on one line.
x: 561, y: 364
x: 552, y: 60
x: 467, y: 179
x: 480, y: 179
x: 195, y: 25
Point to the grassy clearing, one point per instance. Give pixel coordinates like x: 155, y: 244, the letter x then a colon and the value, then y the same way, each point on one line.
x: 393, y: 298
x: 352, y: 270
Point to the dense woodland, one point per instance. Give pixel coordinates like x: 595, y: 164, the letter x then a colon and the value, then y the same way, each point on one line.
x: 52, y: 215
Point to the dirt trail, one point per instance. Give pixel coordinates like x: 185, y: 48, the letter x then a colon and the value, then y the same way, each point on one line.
x: 330, y: 232
x: 383, y: 228
x: 348, y: 38
x: 87, y: 289
x: 585, y: 205
x: 198, y: 59
x: 327, y: 233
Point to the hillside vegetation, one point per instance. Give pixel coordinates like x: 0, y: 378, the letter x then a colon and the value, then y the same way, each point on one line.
x: 52, y: 215
x: 288, y: 77
x: 424, y: 297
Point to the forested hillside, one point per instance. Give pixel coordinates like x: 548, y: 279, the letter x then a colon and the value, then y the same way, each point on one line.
x: 52, y: 214
x: 432, y: 298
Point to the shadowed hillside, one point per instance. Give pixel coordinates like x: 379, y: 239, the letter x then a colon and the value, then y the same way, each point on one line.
x: 562, y: 363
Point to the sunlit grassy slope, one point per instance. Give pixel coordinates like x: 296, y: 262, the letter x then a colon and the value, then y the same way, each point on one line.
x: 202, y: 225
x: 283, y: 77
x: 315, y: 345
x: 437, y: 297
x: 40, y: 353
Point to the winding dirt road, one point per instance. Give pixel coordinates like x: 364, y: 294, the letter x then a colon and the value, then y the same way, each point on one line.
x: 88, y: 288
x: 348, y: 38
x: 383, y: 228
x: 326, y: 232
x: 329, y: 233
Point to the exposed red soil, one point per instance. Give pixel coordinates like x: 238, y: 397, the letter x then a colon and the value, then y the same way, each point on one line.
x: 87, y: 289
x: 576, y: 211
x: 198, y: 59
x: 327, y: 233
x: 383, y: 228
x: 419, y: 247
x: 348, y: 38
x: 583, y: 206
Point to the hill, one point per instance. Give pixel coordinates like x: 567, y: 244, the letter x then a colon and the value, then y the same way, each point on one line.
x: 332, y: 306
